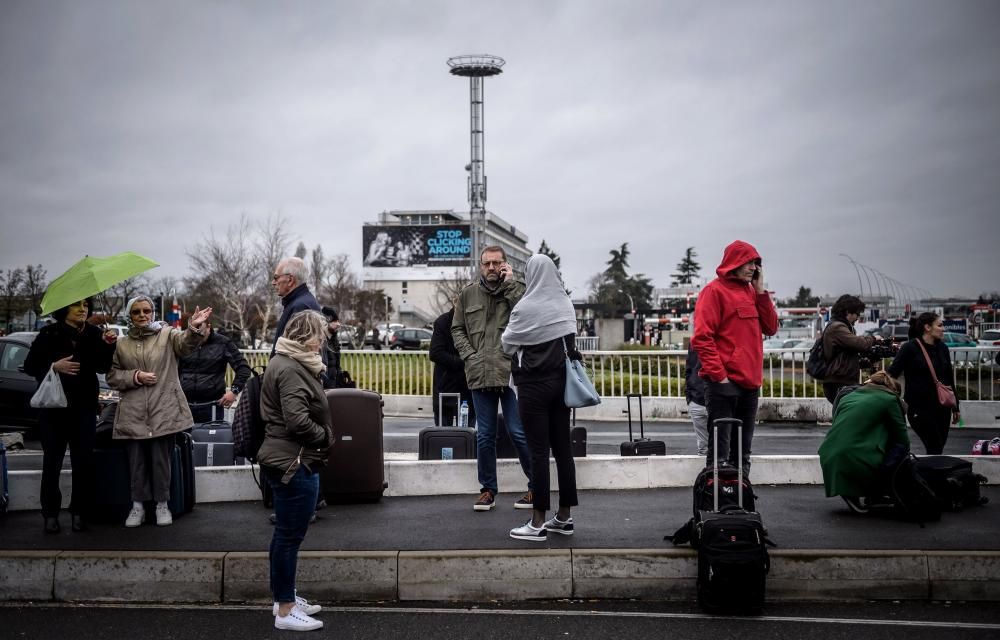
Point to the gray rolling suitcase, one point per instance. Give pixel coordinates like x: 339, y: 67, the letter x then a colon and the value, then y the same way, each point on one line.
x: 213, y: 441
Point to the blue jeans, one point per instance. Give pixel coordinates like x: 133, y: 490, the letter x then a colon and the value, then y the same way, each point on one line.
x: 294, y: 504
x: 486, y: 403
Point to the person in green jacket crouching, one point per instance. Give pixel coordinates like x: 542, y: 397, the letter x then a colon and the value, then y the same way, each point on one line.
x: 867, y: 424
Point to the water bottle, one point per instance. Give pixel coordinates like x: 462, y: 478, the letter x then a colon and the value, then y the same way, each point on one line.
x: 463, y: 415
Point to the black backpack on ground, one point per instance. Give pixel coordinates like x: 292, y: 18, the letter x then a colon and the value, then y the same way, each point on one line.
x: 910, y: 493
x: 953, y: 482
x: 732, y: 561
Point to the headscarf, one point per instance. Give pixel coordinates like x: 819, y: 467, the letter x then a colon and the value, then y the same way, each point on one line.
x: 308, y: 358
x: 544, y: 313
x: 154, y: 325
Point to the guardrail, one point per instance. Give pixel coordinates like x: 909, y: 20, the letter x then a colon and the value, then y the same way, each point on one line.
x: 654, y: 373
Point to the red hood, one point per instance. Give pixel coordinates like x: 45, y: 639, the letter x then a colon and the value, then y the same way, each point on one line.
x: 737, y: 254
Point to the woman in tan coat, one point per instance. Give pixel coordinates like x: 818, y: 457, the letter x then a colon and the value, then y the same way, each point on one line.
x: 152, y: 406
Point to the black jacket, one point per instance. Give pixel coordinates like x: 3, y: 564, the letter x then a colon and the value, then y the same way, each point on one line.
x: 58, y: 340
x: 694, y: 388
x: 543, y: 361
x: 920, y: 392
x: 299, y: 299
x: 203, y: 371
x: 449, y: 369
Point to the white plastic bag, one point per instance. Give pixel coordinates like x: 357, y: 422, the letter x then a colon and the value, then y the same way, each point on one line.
x: 50, y: 394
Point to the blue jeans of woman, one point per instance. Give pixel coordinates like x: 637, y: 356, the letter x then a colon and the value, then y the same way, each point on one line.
x: 294, y: 504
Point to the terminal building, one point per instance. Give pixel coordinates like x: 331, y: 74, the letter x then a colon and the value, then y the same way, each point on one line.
x: 421, y: 259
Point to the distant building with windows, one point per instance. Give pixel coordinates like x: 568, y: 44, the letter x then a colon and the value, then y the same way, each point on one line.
x: 421, y: 259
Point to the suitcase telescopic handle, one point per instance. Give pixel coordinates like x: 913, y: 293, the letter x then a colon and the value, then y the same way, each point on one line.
x: 728, y: 422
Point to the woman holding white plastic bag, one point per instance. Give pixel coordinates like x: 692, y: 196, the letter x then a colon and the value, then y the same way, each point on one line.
x: 539, y: 337
x: 76, y: 351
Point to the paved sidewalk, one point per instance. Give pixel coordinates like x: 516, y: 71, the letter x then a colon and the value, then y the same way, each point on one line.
x: 797, y: 517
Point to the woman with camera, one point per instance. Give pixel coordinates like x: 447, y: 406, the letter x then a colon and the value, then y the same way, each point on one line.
x: 923, y: 361
x: 842, y: 347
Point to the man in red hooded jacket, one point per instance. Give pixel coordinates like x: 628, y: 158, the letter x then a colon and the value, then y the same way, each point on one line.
x: 733, y: 311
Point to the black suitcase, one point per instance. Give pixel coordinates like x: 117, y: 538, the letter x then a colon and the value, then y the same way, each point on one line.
x: 578, y: 442
x: 447, y: 442
x: 732, y: 544
x: 113, y: 496
x: 642, y: 446
x: 4, y: 495
x: 355, y: 467
x: 213, y: 444
x: 954, y: 483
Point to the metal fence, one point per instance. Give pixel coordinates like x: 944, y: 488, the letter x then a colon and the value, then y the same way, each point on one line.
x: 655, y: 373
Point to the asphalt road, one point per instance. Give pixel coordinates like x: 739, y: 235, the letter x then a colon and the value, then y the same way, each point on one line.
x: 775, y: 438
x: 584, y: 620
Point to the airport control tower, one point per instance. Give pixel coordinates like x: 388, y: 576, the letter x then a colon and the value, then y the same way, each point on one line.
x: 475, y: 68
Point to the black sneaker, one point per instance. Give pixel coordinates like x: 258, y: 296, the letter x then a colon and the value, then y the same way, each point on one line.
x: 555, y: 525
x: 854, y: 504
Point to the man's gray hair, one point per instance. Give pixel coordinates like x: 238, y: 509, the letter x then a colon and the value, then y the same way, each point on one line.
x: 306, y: 327
x: 295, y: 267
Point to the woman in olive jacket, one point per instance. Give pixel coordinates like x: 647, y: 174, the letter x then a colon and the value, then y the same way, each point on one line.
x: 77, y: 351
x: 868, y: 423
x: 297, y: 439
x: 928, y: 418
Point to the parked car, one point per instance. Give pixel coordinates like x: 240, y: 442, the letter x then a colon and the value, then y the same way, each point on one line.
x: 958, y: 344
x: 16, y: 387
x: 795, y: 356
x: 989, y: 338
x: 896, y: 332
x: 410, y: 338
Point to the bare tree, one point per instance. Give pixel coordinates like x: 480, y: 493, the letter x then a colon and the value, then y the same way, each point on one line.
x: 227, y: 269
x: 319, y: 270
x: 447, y: 289
x: 10, y: 288
x: 33, y: 287
x: 341, y: 286
x: 270, y: 247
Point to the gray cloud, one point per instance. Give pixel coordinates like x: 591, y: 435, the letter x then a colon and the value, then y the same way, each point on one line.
x: 808, y: 129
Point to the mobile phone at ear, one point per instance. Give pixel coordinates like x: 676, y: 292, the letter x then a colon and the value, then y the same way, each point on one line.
x: 756, y: 274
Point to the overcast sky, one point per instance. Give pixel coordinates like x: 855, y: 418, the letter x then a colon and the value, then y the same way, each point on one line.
x: 809, y: 129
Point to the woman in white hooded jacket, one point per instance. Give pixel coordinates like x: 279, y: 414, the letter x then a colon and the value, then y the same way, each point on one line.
x: 540, y: 335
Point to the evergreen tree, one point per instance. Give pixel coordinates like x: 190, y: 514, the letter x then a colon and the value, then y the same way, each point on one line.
x: 615, y: 289
x: 547, y: 251
x: 804, y: 298
x: 687, y: 268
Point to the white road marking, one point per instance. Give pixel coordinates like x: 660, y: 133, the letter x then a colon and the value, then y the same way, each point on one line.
x: 533, y: 612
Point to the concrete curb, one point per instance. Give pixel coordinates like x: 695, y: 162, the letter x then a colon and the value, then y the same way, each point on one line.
x: 472, y: 575
x: 455, y: 477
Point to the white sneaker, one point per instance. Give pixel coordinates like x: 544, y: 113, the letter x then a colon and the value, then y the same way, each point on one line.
x: 302, y: 604
x: 163, y: 516
x: 297, y: 620
x: 135, y: 517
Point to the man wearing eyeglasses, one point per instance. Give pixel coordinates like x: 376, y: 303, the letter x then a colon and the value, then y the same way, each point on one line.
x: 482, y: 311
x: 289, y: 282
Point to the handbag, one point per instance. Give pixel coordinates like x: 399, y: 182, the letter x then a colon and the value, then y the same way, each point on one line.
x: 580, y: 391
x: 50, y: 394
x: 945, y: 394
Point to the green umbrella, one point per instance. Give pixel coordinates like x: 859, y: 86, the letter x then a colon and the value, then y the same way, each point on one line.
x: 91, y: 276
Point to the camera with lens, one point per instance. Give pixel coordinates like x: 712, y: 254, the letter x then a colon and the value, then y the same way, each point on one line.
x: 877, y: 353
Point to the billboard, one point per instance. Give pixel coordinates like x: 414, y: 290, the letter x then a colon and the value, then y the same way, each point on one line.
x: 412, y: 245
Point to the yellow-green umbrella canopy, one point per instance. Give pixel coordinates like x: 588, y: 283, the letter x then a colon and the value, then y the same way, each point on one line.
x: 91, y: 276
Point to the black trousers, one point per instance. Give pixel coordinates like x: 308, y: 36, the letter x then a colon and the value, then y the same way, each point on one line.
x: 932, y: 425
x: 57, y: 429
x: 730, y: 400
x: 546, y: 426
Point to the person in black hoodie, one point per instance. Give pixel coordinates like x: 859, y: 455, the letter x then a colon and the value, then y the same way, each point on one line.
x: 449, y: 371
x: 203, y: 375
x: 77, y: 351
x: 928, y: 418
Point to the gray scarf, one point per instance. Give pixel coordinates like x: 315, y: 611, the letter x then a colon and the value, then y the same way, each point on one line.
x: 544, y: 313
x: 309, y: 359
